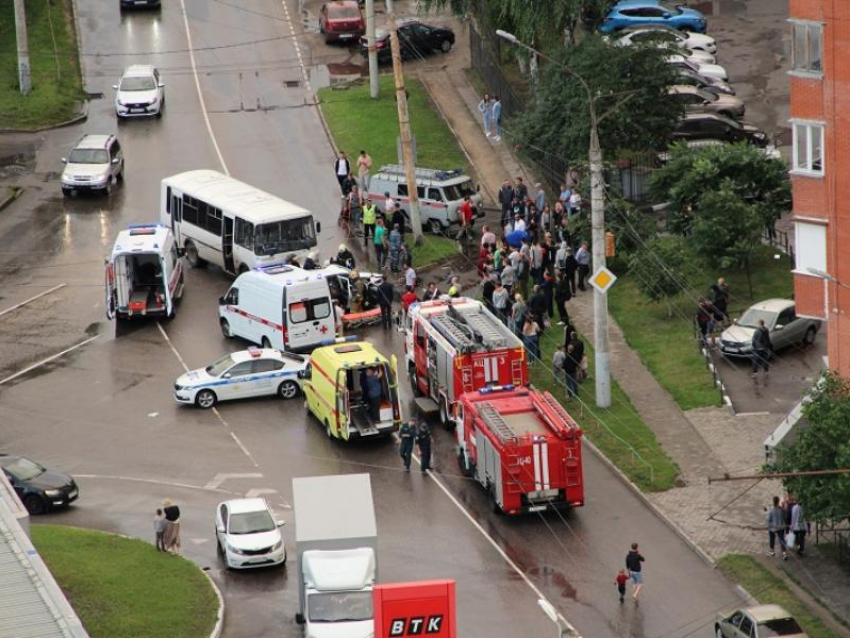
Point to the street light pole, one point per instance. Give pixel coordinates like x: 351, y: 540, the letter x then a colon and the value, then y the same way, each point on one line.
x: 24, y: 73
x: 373, y: 51
x: 404, y: 130
x: 597, y: 221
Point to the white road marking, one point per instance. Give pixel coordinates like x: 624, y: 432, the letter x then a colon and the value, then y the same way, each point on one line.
x: 214, y: 410
x: 47, y: 360
x: 297, y: 46
x: 198, y: 87
x: 137, y: 479
x: 38, y: 296
x: 259, y: 491
x: 153, y: 415
x: 199, y: 541
x: 218, y: 479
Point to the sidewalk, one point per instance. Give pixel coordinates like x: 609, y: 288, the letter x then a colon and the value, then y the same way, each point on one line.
x: 721, y: 518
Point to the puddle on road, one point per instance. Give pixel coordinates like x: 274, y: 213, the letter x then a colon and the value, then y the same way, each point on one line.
x: 339, y: 74
x: 720, y: 7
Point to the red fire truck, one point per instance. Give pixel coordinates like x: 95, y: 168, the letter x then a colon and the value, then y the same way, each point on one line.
x: 456, y: 345
x: 523, y: 447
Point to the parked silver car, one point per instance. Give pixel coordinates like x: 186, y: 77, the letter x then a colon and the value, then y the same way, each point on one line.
x: 780, y: 318
x: 697, y: 100
x: 761, y: 621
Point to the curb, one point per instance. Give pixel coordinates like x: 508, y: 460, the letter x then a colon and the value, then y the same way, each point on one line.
x: 318, y: 103
x: 219, y: 622
x: 81, y: 116
x: 652, y: 506
x: 5, y: 202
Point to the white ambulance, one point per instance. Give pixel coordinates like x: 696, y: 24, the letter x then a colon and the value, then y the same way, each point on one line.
x: 144, y: 274
x: 279, y: 306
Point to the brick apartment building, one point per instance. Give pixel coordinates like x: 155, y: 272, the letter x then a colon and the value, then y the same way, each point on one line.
x: 820, y: 167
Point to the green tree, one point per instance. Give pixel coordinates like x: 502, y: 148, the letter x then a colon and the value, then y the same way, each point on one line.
x: 541, y: 21
x: 630, y: 225
x: 726, y: 229
x: 823, y: 444
x: 690, y: 173
x: 657, y: 269
x: 629, y: 85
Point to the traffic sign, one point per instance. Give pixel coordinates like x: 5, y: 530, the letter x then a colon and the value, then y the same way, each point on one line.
x: 603, y: 279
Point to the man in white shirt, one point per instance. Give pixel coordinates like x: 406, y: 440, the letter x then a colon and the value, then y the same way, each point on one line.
x: 488, y: 238
x: 575, y: 202
x: 342, y: 168
x: 389, y: 207
x: 410, y: 277
x: 519, y: 223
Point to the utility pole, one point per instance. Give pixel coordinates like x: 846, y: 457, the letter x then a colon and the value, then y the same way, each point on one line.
x: 597, y: 220
x: 600, y: 299
x: 24, y: 74
x: 404, y: 130
x: 373, y: 51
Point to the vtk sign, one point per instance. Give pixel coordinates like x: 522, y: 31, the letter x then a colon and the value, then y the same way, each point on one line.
x: 425, y: 609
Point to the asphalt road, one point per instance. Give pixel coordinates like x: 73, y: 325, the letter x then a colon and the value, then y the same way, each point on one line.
x: 104, y: 412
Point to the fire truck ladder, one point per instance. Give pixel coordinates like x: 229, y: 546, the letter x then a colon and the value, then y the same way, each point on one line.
x: 491, y: 334
x: 460, y: 335
x: 495, y: 422
x: 549, y: 400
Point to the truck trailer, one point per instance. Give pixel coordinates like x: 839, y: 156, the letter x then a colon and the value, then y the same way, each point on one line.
x: 523, y: 447
x: 336, y: 542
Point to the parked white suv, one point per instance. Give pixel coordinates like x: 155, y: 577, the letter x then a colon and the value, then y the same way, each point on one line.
x: 140, y: 92
x: 95, y: 164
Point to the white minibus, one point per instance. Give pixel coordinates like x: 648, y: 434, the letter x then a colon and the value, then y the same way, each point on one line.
x: 223, y: 221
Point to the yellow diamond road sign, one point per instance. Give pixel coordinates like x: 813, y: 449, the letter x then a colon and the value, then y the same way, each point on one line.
x: 603, y: 279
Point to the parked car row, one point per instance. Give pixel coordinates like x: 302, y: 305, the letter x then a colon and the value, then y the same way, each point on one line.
x: 712, y: 112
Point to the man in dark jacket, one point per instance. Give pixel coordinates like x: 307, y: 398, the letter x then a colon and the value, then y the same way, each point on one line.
x: 537, y: 306
x: 633, y: 564
x: 423, y: 440
x: 386, y: 294
x: 761, y: 348
x: 563, y: 294
x: 406, y: 437
x: 720, y: 300
x: 342, y: 169
x: 487, y: 291
x: 570, y: 270
x: 373, y: 393
x: 578, y: 353
x: 398, y: 219
x: 506, y: 195
x: 571, y: 368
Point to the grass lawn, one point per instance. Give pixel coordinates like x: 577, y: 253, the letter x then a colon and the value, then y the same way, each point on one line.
x: 768, y: 589
x: 124, y: 587
x: 667, y: 346
x: 358, y: 122
x: 618, y: 431
x: 55, y: 68
x: 433, y: 249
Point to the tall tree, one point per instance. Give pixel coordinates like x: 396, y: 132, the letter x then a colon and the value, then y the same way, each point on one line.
x: 823, y: 444
x: 746, y: 170
x: 558, y: 121
x: 726, y: 230
x: 657, y: 268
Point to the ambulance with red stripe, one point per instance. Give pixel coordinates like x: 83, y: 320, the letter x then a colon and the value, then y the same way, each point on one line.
x: 144, y: 274
x: 279, y: 306
x: 335, y: 389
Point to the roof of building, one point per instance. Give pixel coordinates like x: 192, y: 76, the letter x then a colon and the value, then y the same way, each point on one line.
x: 33, y: 605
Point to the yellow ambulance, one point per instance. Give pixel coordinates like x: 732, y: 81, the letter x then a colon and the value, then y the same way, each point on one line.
x: 352, y: 390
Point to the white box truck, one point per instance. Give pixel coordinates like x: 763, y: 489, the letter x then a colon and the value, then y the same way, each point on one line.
x: 336, y: 541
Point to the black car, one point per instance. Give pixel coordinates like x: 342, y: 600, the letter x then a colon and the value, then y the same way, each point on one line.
x: 140, y: 4
x: 718, y: 127
x: 40, y: 489
x: 692, y: 78
x: 415, y: 39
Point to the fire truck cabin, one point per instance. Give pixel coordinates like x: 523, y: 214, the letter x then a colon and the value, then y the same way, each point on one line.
x: 523, y: 447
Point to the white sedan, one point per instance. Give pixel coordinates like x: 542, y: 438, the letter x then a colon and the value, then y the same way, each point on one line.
x: 247, y: 534
x: 652, y: 34
x: 140, y: 92
x: 249, y: 373
x: 711, y: 71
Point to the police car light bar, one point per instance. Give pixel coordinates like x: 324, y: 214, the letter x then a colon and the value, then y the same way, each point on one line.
x: 154, y: 225
x: 254, y: 351
x: 144, y: 229
x: 330, y: 342
x: 274, y: 268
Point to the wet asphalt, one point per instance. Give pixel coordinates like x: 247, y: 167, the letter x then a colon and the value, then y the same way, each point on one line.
x: 104, y: 411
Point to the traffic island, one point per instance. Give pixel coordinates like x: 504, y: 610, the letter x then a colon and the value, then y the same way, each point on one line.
x: 121, y: 586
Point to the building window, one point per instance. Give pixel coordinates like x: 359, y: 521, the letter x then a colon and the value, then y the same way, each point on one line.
x: 806, y: 47
x: 808, y: 148
x: 810, y: 247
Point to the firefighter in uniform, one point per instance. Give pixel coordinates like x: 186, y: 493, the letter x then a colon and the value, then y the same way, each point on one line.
x: 407, y: 436
x: 423, y: 440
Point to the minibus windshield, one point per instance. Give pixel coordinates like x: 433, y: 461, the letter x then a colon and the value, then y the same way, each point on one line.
x: 285, y: 236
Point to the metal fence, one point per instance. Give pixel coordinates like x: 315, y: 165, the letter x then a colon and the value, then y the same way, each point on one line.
x: 839, y: 537
x: 779, y: 239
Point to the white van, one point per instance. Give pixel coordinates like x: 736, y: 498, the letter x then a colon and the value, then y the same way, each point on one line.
x: 279, y: 306
x: 440, y: 193
x: 144, y: 274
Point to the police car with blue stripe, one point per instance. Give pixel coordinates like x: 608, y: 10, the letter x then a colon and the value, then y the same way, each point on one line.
x: 249, y: 373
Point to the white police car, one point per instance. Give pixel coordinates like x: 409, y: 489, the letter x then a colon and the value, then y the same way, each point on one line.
x: 249, y: 373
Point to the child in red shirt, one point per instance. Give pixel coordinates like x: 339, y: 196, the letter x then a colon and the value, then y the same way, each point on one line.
x: 621, y: 580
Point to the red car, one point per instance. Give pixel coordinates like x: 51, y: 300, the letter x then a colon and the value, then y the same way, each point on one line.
x: 341, y: 20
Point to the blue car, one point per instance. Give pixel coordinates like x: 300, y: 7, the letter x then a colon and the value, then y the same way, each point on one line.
x: 632, y: 13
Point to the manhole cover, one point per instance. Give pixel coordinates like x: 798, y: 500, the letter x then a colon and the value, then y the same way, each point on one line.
x: 291, y: 84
